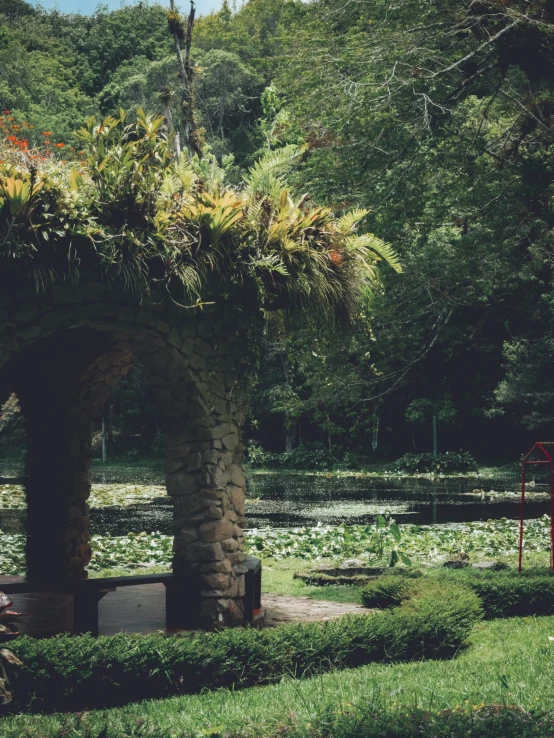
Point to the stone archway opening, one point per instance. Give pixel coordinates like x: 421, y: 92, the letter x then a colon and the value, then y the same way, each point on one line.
x: 62, y: 380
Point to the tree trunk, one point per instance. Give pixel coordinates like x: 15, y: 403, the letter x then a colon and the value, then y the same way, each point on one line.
x: 375, y: 435
x: 104, y: 448
x: 175, y: 138
x: 290, y: 439
x: 190, y: 136
x: 434, y: 434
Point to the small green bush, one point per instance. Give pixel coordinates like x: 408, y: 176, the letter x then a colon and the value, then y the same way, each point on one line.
x: 78, y: 672
x: 386, y: 591
x: 447, y: 463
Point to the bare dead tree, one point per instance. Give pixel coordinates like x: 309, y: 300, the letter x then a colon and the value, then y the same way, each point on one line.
x: 182, y: 37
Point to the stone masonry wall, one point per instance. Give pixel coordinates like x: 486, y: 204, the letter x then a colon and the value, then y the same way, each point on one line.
x: 63, y: 352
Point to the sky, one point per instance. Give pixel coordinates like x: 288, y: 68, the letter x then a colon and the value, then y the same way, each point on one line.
x: 89, y: 6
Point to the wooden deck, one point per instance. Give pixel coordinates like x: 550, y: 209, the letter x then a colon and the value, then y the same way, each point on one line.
x: 141, y: 609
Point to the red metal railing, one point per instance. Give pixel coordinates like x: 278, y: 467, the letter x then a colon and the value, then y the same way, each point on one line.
x: 527, y: 461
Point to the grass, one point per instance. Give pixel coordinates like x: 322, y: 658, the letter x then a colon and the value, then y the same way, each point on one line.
x: 509, y: 662
x: 278, y: 578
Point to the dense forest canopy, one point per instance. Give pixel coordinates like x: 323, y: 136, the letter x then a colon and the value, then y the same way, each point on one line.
x: 437, y: 117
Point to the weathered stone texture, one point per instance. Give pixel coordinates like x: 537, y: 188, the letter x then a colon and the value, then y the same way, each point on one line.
x: 63, y: 352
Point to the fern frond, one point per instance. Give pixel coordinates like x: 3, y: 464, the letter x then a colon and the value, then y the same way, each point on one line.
x: 376, y: 249
x: 266, y: 176
x: 347, y: 223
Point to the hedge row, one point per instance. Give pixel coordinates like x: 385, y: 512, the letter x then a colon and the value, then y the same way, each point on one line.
x: 502, y: 594
x: 81, y: 672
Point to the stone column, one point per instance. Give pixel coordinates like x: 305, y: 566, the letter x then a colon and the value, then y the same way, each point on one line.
x: 200, y: 422
x: 58, y: 540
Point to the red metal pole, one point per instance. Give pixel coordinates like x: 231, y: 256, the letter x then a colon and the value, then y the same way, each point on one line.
x: 524, y: 467
x: 551, y: 516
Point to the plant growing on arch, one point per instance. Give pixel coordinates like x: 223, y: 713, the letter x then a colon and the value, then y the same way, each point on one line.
x: 133, y: 212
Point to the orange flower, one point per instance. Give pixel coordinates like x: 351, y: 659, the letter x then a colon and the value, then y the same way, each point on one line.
x: 59, y: 145
x: 47, y: 133
x: 336, y: 257
x: 47, y: 143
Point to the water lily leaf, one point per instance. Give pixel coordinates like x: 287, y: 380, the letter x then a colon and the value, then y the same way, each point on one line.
x: 395, y: 531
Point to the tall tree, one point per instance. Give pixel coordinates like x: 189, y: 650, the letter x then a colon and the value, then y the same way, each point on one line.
x: 182, y: 38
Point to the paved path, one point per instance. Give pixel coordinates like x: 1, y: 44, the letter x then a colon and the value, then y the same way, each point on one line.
x: 142, y: 610
x: 281, y: 609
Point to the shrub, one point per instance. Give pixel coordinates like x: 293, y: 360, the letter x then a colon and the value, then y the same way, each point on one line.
x: 314, y: 455
x: 76, y: 672
x: 448, y: 463
x: 386, y: 591
x: 506, y: 594
x: 502, y: 594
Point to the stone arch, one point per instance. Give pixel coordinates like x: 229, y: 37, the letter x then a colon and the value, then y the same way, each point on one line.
x: 62, y: 353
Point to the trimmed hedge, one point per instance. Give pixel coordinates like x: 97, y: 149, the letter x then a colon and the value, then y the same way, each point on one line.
x: 502, y: 594
x: 78, y: 672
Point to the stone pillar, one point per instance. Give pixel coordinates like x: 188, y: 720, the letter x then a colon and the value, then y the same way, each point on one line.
x: 208, y: 498
x: 58, y: 539
x: 61, y: 382
x: 200, y: 422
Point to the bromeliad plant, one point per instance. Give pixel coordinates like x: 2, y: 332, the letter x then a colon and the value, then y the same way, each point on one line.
x: 132, y: 211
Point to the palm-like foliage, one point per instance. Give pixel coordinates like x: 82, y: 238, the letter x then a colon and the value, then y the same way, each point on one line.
x: 136, y: 213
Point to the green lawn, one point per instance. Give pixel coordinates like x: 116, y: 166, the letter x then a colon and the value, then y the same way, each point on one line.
x: 508, y: 662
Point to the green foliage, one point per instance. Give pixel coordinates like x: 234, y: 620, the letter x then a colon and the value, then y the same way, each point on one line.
x: 69, y: 673
x: 447, y: 463
x: 506, y: 594
x: 135, y: 214
x: 386, y: 591
x: 502, y: 594
x: 489, y: 539
x: 304, y: 456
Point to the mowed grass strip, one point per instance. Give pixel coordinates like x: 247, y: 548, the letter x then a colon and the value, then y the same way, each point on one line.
x: 509, y: 662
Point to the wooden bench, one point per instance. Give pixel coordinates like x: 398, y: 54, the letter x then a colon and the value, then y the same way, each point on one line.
x: 181, y: 595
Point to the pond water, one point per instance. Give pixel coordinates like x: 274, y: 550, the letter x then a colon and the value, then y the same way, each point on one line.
x: 299, y: 499
x: 287, y: 499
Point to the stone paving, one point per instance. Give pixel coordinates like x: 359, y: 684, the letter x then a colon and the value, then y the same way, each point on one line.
x: 280, y: 609
x: 142, y: 610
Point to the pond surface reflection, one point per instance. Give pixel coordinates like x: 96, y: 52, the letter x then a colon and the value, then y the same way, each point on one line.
x: 287, y: 499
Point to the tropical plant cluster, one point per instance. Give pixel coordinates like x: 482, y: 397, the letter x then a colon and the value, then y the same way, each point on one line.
x: 70, y: 673
x: 131, y: 211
